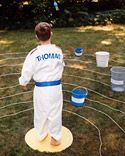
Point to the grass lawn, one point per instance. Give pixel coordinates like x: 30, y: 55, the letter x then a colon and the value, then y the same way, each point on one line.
x: 98, y: 128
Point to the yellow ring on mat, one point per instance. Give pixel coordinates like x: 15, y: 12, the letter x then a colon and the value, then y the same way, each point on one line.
x: 31, y: 138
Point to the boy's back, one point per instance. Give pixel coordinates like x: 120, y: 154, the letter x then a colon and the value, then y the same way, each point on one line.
x: 44, y: 65
x: 48, y: 63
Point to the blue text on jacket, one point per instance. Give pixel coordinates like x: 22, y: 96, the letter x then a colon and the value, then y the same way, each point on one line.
x: 48, y: 56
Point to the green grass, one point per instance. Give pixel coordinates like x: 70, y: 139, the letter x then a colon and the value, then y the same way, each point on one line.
x: 86, y: 141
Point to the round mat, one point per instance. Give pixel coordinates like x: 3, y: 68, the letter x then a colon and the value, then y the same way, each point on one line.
x: 32, y: 140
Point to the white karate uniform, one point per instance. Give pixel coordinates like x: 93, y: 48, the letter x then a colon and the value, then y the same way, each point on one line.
x: 43, y: 64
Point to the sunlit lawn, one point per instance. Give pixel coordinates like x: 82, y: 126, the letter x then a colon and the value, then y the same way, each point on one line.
x: 79, y: 71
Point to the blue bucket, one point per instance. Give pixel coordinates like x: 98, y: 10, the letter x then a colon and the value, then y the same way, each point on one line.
x: 78, y: 97
x: 78, y: 51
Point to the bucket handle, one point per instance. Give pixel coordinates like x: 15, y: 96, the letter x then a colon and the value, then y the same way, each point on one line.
x: 82, y: 88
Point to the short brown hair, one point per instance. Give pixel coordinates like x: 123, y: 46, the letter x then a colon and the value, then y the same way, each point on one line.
x: 43, y: 31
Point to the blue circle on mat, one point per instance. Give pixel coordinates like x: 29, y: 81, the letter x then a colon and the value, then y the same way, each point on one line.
x: 78, y: 50
x: 77, y: 93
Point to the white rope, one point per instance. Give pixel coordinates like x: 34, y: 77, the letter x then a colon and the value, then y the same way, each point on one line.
x: 85, y: 78
x: 116, y: 61
x: 92, y: 55
x: 26, y: 110
x: 78, y: 60
x: 107, y: 116
x: 96, y: 93
x: 14, y: 86
x: 114, y: 109
x: 14, y: 104
x: 13, y: 114
x: 12, y: 58
x: 89, y: 55
x: 9, y: 96
x: 9, y: 65
x: 9, y: 74
x: 106, y: 96
x: 89, y: 71
x: 14, y: 53
x: 82, y: 117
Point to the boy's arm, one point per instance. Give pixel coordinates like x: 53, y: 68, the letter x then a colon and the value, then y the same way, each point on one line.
x: 27, y: 71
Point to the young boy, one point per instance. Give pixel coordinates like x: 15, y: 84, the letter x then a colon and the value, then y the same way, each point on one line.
x: 44, y: 65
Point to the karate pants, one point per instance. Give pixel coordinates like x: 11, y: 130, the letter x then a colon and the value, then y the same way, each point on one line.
x: 48, y: 102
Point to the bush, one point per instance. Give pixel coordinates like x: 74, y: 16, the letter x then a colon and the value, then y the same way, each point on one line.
x: 15, y: 14
x: 84, y: 18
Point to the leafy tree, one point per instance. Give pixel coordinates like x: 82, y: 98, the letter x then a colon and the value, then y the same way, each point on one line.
x: 26, y: 13
x: 43, y: 10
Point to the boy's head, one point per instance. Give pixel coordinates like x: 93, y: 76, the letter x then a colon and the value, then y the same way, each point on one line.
x: 43, y: 31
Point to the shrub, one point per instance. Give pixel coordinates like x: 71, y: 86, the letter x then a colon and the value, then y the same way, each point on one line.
x: 15, y: 14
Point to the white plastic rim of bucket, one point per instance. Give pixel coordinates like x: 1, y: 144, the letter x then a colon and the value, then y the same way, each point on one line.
x: 118, y: 69
x: 102, y: 58
x: 78, y: 51
x: 81, y: 88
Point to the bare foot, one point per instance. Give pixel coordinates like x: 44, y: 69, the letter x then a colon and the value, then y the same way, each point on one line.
x: 43, y: 138
x: 55, y: 142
